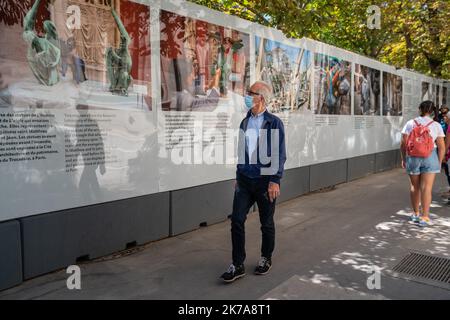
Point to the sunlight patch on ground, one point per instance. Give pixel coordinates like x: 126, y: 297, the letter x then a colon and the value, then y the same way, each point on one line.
x: 357, y: 261
x: 435, y: 205
x: 434, y: 239
x: 406, y: 212
x: 380, y: 186
x: 388, y: 226
x: 319, y: 278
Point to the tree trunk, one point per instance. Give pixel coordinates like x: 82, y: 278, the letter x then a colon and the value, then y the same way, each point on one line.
x: 435, y: 66
x: 409, y: 51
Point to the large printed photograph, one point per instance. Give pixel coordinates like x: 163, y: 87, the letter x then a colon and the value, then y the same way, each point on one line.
x: 433, y: 93
x: 288, y: 70
x: 61, y: 54
x: 426, y: 92
x: 203, y: 65
x: 367, y: 98
x: 392, y: 95
x: 332, y: 85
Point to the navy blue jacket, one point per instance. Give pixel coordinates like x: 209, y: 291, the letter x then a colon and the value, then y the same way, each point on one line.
x: 254, y: 170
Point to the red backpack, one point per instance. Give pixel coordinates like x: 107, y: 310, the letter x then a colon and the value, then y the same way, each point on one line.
x: 420, y: 143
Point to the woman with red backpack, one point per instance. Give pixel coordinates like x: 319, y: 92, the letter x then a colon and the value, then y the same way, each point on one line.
x: 423, y: 151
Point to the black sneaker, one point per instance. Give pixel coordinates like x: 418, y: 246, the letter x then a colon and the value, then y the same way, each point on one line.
x: 233, y: 273
x: 264, y: 266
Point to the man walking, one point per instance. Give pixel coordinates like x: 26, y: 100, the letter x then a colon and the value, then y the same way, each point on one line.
x: 262, y: 155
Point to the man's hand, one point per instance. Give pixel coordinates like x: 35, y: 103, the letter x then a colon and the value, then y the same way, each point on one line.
x: 273, y: 191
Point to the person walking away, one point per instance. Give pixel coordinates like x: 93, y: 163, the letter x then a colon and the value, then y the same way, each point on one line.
x: 445, y: 164
x: 422, y: 151
x: 443, y: 120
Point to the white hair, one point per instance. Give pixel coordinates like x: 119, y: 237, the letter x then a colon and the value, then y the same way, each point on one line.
x: 264, y: 89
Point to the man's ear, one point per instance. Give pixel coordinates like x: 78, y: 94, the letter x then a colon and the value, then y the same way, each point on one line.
x: 263, y: 100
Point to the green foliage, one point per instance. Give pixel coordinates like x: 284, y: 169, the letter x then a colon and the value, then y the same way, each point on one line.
x: 414, y: 34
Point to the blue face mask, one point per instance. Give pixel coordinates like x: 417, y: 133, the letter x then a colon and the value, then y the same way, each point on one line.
x: 249, y: 102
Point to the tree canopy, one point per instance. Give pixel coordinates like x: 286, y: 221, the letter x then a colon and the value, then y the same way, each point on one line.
x: 414, y: 34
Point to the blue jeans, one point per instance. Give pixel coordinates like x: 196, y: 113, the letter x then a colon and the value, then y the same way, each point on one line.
x: 418, y: 165
x: 247, y: 192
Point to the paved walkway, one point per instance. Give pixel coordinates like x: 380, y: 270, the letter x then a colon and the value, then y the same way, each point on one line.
x: 326, y: 243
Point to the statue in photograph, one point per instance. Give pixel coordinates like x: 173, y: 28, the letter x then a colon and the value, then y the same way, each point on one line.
x: 331, y: 84
x: 228, y: 56
x: 43, y: 55
x: 337, y: 88
x: 118, y: 61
